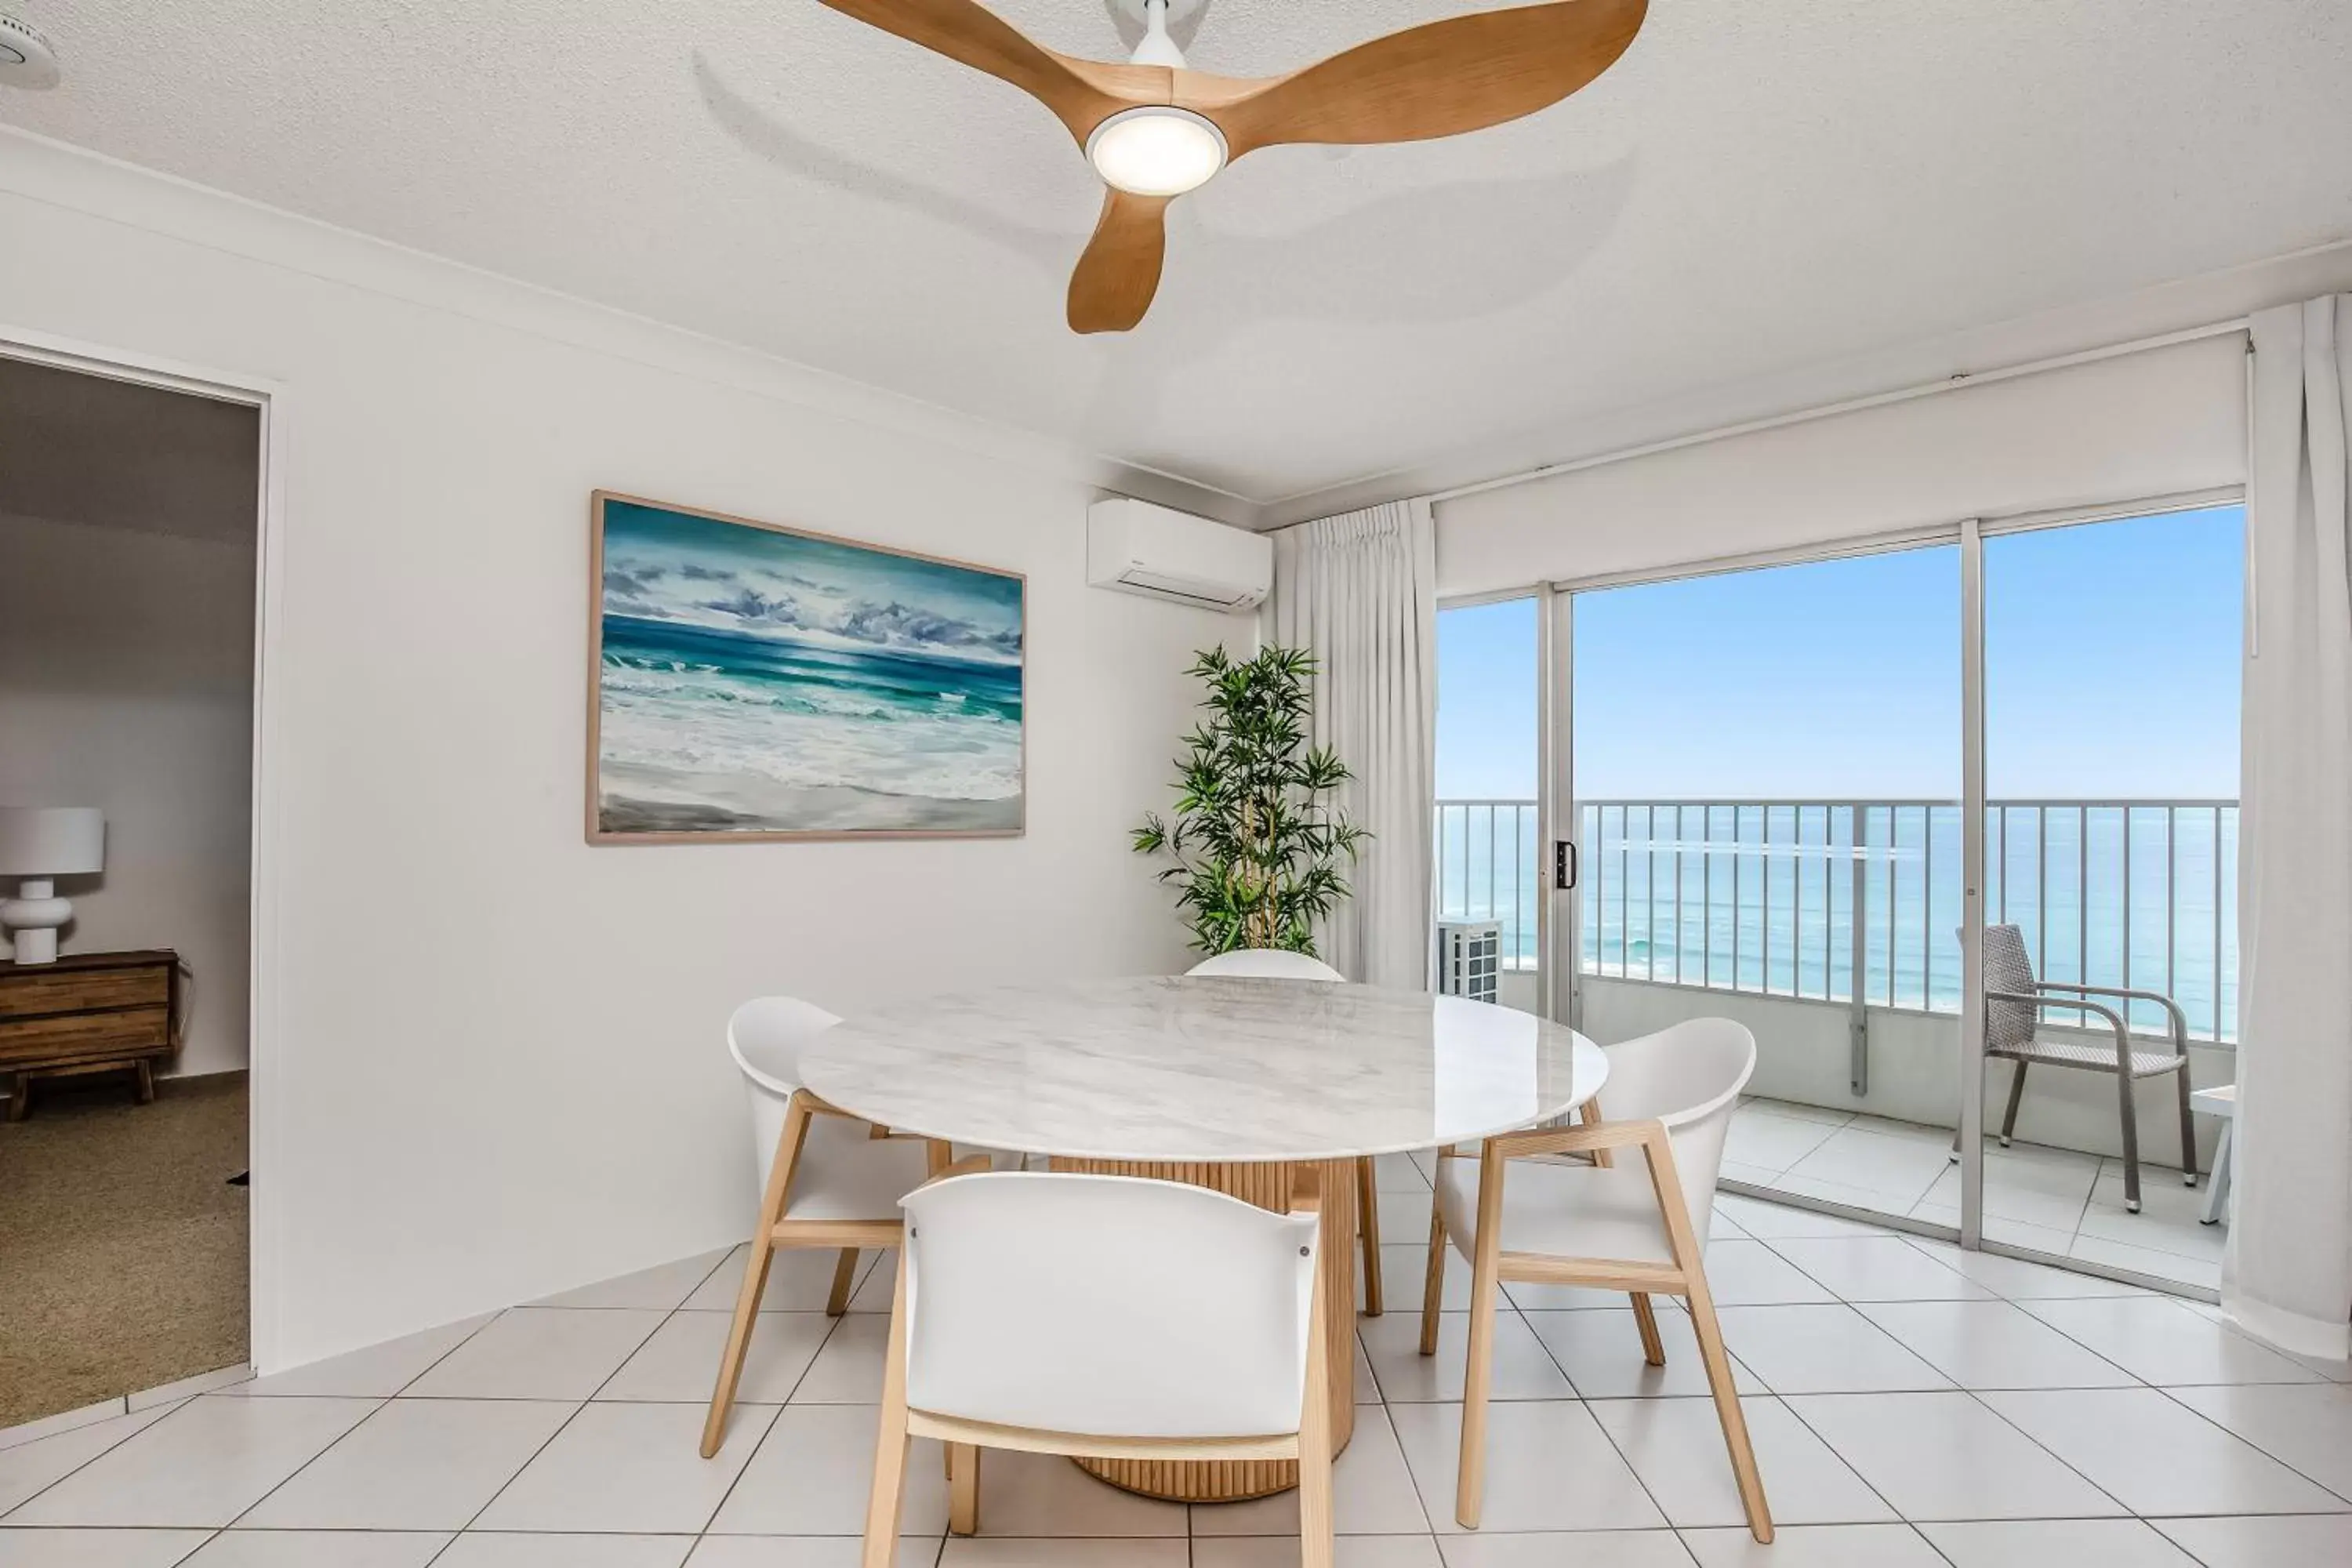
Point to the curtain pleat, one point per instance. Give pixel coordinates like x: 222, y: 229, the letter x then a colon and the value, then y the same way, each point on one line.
x: 1359, y: 592
x: 2287, y: 1276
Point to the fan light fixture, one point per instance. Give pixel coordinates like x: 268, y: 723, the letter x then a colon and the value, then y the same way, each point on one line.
x: 1156, y: 151
x: 1154, y: 128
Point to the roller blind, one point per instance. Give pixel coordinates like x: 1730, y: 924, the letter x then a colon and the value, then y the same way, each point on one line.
x: 2163, y: 422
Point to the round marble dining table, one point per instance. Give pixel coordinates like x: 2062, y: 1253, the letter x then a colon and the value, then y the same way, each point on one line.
x: 1226, y: 1082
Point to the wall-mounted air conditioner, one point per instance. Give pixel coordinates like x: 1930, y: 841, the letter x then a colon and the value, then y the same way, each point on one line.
x: 1139, y: 548
x: 1470, y: 960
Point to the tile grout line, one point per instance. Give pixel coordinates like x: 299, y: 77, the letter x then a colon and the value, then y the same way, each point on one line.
x: 2281, y: 1460
x: 385, y: 1404
x: 834, y: 1328
x: 564, y: 1426
x: 168, y: 1412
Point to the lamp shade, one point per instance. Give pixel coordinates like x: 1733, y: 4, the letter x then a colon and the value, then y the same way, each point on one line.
x: 51, y: 840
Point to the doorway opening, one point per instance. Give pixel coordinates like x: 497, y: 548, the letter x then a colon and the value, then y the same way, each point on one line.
x: 129, y: 550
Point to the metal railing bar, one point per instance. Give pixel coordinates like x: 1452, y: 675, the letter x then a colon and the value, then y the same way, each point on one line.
x: 2083, y: 894
x: 2217, y: 923
x: 2127, y: 898
x: 1505, y: 892
x: 2171, y: 904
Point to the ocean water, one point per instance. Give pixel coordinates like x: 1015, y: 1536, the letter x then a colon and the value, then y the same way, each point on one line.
x: 1762, y: 898
x: 759, y: 726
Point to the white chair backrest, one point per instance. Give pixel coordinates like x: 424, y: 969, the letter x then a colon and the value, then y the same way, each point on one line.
x: 767, y: 1035
x: 1107, y: 1305
x: 1267, y: 964
x: 1688, y: 1076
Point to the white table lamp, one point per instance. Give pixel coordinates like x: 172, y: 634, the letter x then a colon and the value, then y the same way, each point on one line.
x: 38, y: 843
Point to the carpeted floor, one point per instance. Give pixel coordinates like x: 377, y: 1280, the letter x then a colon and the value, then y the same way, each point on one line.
x: 122, y: 1248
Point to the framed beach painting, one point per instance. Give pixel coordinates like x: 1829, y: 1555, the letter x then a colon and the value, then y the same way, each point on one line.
x: 752, y: 682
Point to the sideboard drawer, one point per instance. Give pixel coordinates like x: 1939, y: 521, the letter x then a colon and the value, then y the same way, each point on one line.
x: 88, y: 991
x: 78, y: 1037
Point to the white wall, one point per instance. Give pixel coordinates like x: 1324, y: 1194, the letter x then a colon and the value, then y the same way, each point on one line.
x: 126, y: 682
x: 2139, y: 426
x: 494, y: 1066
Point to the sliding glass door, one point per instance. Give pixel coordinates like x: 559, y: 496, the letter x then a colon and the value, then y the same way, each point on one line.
x: 1764, y: 767
x: 1815, y: 796
x: 2111, y: 653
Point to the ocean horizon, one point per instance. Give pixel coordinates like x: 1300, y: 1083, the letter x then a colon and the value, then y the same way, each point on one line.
x: 2057, y: 870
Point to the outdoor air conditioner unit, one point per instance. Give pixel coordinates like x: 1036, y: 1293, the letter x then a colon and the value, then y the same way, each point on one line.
x: 1470, y: 960
x: 1139, y: 548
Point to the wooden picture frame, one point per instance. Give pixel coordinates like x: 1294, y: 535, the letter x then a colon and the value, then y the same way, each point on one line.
x: 862, y: 690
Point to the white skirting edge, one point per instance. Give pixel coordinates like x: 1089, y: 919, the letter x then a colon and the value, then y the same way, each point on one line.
x: 2291, y: 1332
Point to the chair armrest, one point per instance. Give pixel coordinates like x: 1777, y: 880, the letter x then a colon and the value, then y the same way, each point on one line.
x: 2180, y: 1018
x: 1590, y: 1137
x: 2114, y: 1020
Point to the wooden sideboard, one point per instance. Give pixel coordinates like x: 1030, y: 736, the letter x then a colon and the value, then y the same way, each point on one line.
x: 88, y: 1012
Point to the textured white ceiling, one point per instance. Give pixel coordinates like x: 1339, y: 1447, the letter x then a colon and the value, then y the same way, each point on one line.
x: 1755, y: 187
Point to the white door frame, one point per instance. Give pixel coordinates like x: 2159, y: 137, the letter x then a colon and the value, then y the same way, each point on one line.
x: 268, y: 399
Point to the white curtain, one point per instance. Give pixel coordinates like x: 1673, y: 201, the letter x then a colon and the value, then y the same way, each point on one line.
x: 1359, y: 592
x: 2288, y: 1276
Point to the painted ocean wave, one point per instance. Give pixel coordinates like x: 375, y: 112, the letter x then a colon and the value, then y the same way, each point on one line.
x: 724, y: 713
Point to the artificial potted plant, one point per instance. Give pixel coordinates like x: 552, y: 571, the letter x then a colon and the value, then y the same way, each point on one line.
x: 1258, y: 841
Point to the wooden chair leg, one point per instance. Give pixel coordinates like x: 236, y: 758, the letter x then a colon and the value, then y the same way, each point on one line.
x: 2016, y: 1094
x: 844, y: 1274
x: 2188, y: 1131
x: 963, y: 1488
x: 1432, y: 1284
x: 2130, y: 1112
x: 1727, y: 1407
x: 1690, y: 1259
x: 1368, y: 1229
x: 1477, y: 1372
x: 1315, y: 1515
x: 1645, y: 1318
x: 755, y: 1274
x: 884, y: 1501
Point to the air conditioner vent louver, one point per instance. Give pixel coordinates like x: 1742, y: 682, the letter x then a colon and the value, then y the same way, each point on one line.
x: 1138, y: 548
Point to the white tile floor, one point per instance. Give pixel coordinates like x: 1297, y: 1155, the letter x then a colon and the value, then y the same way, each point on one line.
x: 2056, y: 1201
x: 1912, y: 1406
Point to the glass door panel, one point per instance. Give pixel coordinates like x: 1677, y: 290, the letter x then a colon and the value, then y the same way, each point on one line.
x: 2112, y: 675
x: 1489, y: 817
x: 1764, y: 767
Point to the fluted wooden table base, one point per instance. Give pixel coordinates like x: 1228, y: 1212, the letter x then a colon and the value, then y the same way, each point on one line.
x: 1268, y: 1186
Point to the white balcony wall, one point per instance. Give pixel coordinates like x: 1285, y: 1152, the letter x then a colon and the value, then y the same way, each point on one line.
x: 1803, y: 1051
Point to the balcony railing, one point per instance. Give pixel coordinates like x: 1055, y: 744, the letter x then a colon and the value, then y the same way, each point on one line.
x: 1762, y: 896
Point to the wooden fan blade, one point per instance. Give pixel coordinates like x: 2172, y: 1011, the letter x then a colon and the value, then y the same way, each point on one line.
x: 1119, y: 272
x: 1439, y: 79
x: 1081, y: 94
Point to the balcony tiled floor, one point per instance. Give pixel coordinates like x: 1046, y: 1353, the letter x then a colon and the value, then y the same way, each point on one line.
x: 1911, y: 1406
x: 2057, y: 1201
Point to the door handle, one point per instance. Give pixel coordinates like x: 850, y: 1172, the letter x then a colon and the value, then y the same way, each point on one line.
x: 1563, y: 864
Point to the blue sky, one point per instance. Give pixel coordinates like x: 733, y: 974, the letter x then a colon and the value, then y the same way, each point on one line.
x: 2111, y: 666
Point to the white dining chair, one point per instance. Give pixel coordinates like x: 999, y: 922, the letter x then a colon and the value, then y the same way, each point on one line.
x: 1105, y: 1317
x: 1277, y: 964
x: 1639, y: 1228
x: 826, y: 1178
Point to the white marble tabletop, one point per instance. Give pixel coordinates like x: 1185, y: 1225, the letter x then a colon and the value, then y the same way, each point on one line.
x: 1200, y: 1068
